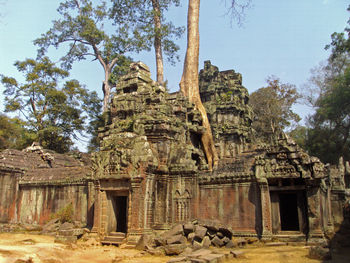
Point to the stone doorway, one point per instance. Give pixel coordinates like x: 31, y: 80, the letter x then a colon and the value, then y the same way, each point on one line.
x: 117, y: 212
x: 289, y: 211
x: 120, y: 212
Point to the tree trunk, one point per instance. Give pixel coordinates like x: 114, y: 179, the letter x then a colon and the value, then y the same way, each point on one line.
x: 189, y: 84
x: 158, y: 42
x: 106, y: 88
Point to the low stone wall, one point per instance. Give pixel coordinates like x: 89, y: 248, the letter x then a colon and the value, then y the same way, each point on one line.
x: 36, y: 204
x: 8, y: 192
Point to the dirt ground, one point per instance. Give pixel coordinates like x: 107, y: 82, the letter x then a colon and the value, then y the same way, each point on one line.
x: 43, y: 249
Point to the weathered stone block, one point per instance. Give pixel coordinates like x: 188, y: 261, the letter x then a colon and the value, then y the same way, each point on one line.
x: 206, y: 242
x: 188, y: 228
x: 191, y: 236
x: 230, y: 244
x: 174, y: 249
x: 177, y: 239
x: 196, y: 245
x: 237, y: 253
x: 217, y: 242
x: 200, y: 232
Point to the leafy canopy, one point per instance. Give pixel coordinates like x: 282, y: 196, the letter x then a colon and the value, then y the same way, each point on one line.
x: 138, y: 17
x: 56, y: 115
x: 272, y: 107
x: 83, y: 28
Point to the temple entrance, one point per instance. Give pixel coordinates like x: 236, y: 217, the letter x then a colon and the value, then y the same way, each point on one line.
x: 117, y: 212
x: 120, y: 211
x: 289, y: 212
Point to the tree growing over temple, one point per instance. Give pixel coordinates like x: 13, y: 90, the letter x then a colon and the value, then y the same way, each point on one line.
x: 272, y: 107
x: 56, y: 115
x: 146, y: 20
x: 189, y: 84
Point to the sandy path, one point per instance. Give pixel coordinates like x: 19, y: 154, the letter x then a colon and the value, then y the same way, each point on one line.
x: 42, y: 249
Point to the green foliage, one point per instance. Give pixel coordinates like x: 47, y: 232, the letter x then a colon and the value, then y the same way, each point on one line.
x: 299, y: 135
x: 13, y: 134
x: 272, y: 107
x: 328, y: 136
x: 120, y: 69
x: 56, y: 115
x: 138, y: 16
x: 82, y: 26
x: 65, y: 214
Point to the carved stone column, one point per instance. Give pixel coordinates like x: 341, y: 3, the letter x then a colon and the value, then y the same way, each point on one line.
x: 97, y: 210
x: 313, y: 212
x: 266, y: 221
x: 136, y: 207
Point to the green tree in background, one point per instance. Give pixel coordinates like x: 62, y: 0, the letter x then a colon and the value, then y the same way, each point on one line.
x: 328, y: 135
x: 272, y: 107
x: 82, y: 29
x: 56, y: 115
x: 13, y: 134
x: 147, y: 21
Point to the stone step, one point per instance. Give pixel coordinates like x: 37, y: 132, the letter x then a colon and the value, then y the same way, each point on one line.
x: 114, y: 239
x: 117, y: 234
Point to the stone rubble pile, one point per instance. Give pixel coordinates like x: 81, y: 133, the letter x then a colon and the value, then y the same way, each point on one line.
x: 191, y: 242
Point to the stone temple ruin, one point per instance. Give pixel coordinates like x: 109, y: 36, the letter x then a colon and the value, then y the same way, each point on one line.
x: 151, y: 172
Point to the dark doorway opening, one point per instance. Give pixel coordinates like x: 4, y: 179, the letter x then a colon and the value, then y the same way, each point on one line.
x: 289, y: 212
x: 121, y: 213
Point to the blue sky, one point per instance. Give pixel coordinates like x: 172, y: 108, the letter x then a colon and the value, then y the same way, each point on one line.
x: 284, y: 38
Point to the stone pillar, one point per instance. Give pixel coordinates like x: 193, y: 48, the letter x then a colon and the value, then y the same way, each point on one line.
x: 313, y: 212
x: 266, y: 221
x: 135, y: 207
x: 104, y: 216
x: 97, y: 210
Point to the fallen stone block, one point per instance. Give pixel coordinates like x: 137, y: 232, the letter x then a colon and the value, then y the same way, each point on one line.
x: 225, y: 240
x: 187, y: 251
x: 237, y: 253
x: 206, y: 242
x: 213, y: 258
x: 230, y: 244
x: 174, y: 249
x: 175, y: 230
x: 177, y: 260
x: 158, y: 251
x: 196, y: 245
x: 200, y: 232
x: 191, y: 236
x: 217, y: 242
x: 159, y: 241
x: 177, y: 239
x: 188, y: 228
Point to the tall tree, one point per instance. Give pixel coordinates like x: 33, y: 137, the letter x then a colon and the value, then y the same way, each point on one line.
x: 147, y: 21
x: 82, y: 27
x: 272, y: 107
x: 57, y: 115
x: 189, y: 84
x: 328, y: 135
